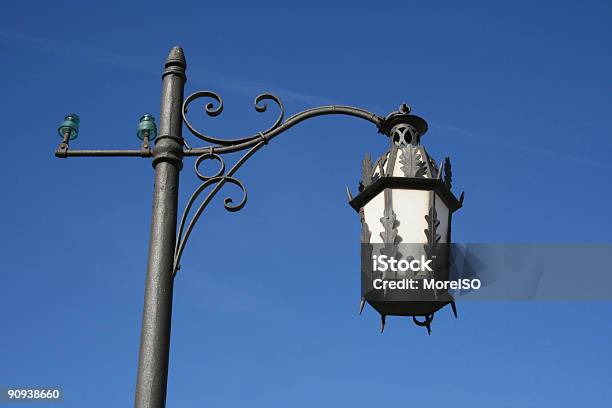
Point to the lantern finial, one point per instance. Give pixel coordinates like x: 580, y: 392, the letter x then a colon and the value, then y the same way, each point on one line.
x: 402, y: 122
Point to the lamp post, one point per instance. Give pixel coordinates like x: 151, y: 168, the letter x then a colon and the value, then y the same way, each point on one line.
x: 169, y: 233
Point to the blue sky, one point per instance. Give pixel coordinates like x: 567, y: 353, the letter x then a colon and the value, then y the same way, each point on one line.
x: 517, y: 93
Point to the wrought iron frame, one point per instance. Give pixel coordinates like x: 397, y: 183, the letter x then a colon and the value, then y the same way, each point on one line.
x: 218, y: 147
x: 250, y: 143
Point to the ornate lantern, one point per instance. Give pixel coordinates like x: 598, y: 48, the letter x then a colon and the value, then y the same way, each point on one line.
x: 405, y: 204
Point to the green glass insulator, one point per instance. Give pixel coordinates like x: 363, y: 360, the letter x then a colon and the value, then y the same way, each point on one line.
x: 147, y: 125
x: 71, y: 124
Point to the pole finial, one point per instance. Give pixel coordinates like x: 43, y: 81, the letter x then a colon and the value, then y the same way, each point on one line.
x: 176, y: 55
x: 176, y: 62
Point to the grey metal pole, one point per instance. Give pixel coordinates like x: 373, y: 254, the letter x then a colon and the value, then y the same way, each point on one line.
x: 157, y: 314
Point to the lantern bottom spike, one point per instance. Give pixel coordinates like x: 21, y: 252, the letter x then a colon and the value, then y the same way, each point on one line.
x: 361, y: 305
x: 454, y: 307
x: 428, y: 329
x: 383, y: 320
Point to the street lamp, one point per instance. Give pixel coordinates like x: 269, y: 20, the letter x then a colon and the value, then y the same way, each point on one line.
x: 405, y: 205
x: 170, y: 234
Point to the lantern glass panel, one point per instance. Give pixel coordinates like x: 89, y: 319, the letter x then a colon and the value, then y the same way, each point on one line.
x: 410, y: 207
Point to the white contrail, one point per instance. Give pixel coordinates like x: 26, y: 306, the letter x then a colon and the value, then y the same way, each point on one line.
x: 219, y: 80
x: 527, y: 149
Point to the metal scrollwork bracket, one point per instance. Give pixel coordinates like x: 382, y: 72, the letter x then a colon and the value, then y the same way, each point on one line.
x: 250, y: 143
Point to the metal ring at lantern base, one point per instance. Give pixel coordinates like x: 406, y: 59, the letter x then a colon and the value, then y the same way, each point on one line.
x: 424, y: 323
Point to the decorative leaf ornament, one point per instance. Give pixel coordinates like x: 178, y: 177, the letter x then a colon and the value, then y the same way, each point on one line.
x: 448, y: 174
x: 432, y: 226
x: 389, y: 237
x: 406, y: 162
x: 431, y: 248
x: 366, y: 171
x: 389, y: 222
x: 365, y: 230
x: 433, y: 168
x: 431, y: 232
x: 412, y: 163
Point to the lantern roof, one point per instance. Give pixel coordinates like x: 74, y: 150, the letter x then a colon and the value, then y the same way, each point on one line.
x: 406, y: 164
x: 403, y: 117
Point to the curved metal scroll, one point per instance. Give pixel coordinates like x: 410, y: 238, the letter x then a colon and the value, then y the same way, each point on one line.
x: 218, y: 180
x: 213, y: 111
x: 278, y: 127
x: 253, y: 143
